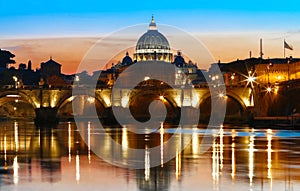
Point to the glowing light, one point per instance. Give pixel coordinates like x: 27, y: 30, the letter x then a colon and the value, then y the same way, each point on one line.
x: 16, y: 170
x: 251, y: 159
x: 276, y: 89
x: 279, y: 77
x: 195, y: 141
x: 69, y: 141
x: 16, y: 135
x: 71, y: 98
x: 16, y: 100
x: 178, y: 164
x: 124, y: 139
x: 269, y: 89
x: 233, y: 167
x: 107, y: 101
x: 125, y: 101
x: 5, y: 151
x: 91, y: 99
x: 15, y: 108
x: 77, y: 168
x: 232, y: 77
x: 251, y: 79
x: 221, y: 95
x: 77, y: 79
x: 269, y: 150
x: 221, y: 146
x: 146, y: 78
x: 147, y: 164
x: 215, y: 163
x: 13, y: 96
x: 161, y: 131
x: 162, y: 98
x: 15, y: 78
x: 195, y: 100
x: 89, y: 141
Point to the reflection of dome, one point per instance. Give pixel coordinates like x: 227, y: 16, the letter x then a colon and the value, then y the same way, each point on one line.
x: 153, y: 45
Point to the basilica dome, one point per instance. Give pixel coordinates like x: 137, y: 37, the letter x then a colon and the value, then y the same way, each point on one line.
x: 153, y: 45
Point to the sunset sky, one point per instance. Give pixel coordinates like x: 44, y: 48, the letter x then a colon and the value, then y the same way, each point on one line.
x: 65, y: 30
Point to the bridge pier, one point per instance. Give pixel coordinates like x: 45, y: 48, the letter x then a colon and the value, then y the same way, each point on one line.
x: 45, y: 115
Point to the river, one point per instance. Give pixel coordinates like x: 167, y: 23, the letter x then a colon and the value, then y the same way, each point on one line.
x: 57, y: 158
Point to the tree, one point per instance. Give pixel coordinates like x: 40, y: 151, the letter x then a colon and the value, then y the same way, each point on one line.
x: 6, y: 58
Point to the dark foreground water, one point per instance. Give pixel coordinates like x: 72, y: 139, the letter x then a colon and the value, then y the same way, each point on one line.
x: 240, y: 158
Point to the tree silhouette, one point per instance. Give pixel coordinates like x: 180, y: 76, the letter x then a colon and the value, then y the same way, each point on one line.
x: 6, y: 58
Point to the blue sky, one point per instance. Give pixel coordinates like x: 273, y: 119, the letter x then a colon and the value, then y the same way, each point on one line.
x: 92, y: 17
x: 33, y: 29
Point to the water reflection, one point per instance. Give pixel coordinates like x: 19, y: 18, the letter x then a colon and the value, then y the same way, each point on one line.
x: 251, y: 159
x: 239, y: 159
x: 269, y: 150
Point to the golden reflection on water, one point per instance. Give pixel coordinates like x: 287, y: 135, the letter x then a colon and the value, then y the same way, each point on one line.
x: 161, y: 132
x: 243, y: 157
x: 195, y: 142
x: 251, y: 159
x: 77, y: 169
x: 233, y: 163
x: 269, y: 150
x: 89, y: 142
x: 16, y: 170
x: 69, y: 141
x: 147, y: 163
x: 16, y: 128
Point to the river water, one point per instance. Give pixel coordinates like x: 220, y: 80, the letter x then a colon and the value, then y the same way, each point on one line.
x: 57, y: 158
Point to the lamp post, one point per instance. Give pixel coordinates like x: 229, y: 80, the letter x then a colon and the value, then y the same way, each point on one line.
x: 15, y: 78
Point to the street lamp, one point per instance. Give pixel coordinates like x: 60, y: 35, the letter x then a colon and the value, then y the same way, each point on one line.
x: 15, y: 78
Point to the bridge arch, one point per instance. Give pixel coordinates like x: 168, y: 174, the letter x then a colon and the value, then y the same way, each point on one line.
x: 85, y: 102
x: 139, y: 101
x: 14, y: 104
x: 235, y: 106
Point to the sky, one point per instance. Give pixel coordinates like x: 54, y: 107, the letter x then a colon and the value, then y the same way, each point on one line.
x: 35, y: 30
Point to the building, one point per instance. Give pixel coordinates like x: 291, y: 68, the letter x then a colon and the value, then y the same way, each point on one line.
x: 277, y: 70
x: 153, y: 46
x: 50, y: 68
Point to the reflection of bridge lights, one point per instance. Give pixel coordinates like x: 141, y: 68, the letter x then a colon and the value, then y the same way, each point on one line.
x: 146, y: 78
x: 77, y: 168
x: 147, y: 164
x: 221, y: 146
x: 161, y: 145
x: 251, y: 159
x: 178, y: 165
x: 16, y: 170
x: 269, y: 150
x: 69, y: 141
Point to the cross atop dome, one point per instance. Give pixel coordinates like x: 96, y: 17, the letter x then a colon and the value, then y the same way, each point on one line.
x: 152, y: 25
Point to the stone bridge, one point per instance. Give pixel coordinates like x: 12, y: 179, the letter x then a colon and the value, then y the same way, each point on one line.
x: 51, y: 103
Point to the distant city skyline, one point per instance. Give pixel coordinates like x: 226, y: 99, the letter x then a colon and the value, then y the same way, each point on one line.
x: 230, y: 30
